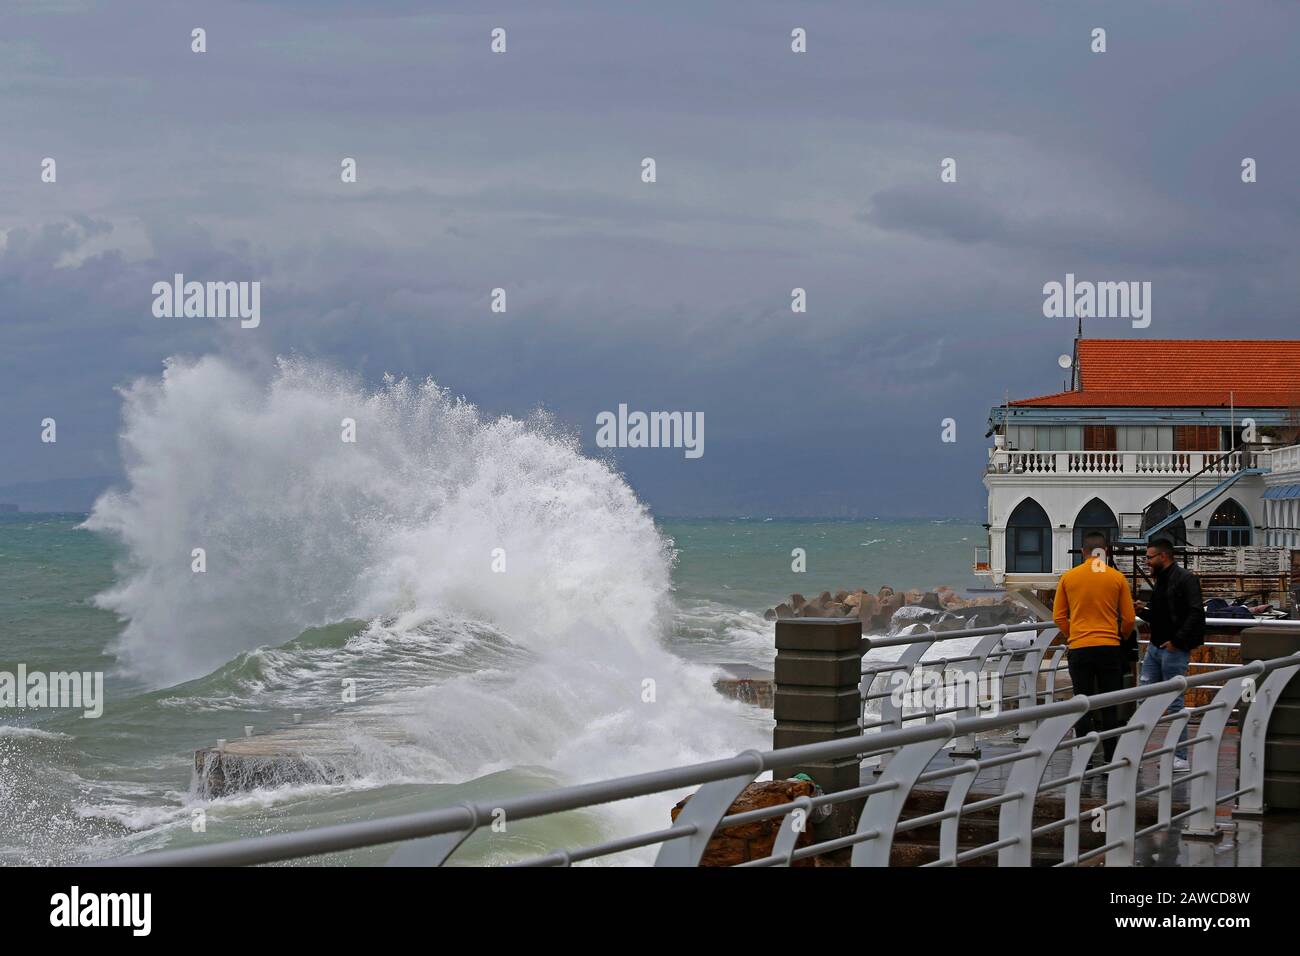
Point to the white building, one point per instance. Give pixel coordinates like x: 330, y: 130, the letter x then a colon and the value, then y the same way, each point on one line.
x: 1186, y: 440
x: 1281, y: 498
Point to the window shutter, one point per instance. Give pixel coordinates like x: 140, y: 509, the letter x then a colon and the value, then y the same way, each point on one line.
x: 1196, y: 438
x: 1098, y: 438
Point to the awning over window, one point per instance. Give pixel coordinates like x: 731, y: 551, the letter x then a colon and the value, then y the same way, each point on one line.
x: 1282, y: 492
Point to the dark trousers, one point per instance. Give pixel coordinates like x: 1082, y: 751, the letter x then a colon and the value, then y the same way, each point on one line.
x: 1097, y: 670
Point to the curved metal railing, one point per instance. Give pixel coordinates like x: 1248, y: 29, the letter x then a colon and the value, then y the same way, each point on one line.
x: 1039, y: 658
x: 433, y: 837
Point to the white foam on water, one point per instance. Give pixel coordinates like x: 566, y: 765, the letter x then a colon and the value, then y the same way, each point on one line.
x: 401, y: 528
x: 709, y: 631
x: 9, y: 730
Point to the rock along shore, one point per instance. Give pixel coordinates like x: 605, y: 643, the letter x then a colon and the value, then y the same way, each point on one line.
x: 887, y: 609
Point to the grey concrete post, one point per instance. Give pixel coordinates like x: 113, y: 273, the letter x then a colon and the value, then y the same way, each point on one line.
x: 818, y: 671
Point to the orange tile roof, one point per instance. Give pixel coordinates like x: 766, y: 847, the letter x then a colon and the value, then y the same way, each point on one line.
x: 1183, y: 373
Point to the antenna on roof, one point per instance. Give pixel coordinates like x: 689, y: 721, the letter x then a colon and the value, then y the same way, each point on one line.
x: 1076, y: 379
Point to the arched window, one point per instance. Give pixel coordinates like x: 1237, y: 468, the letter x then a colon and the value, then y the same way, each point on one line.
x: 1094, y: 516
x: 1029, y: 539
x: 1229, y: 526
x: 1175, y: 531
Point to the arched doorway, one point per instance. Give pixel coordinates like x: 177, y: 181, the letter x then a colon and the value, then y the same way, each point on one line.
x: 1094, y: 516
x: 1029, y: 539
x: 1229, y: 526
x: 1158, y: 512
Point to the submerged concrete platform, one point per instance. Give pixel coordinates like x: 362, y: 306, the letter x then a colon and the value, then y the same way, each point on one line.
x: 323, y: 753
x: 247, y: 763
x: 328, y: 752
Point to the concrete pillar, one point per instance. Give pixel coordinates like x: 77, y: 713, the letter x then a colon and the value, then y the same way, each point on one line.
x: 818, y: 673
x: 1062, y: 542
x: 998, y: 553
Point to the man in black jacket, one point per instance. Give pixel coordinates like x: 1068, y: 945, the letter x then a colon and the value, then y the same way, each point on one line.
x: 1177, y: 621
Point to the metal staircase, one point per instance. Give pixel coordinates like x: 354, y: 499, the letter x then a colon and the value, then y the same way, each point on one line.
x: 1140, y: 529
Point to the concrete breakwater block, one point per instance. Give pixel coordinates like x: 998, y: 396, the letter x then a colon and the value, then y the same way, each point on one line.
x: 320, y: 754
x: 888, y: 608
x: 220, y: 773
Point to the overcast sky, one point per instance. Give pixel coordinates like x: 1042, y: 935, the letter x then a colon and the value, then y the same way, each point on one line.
x: 522, y: 170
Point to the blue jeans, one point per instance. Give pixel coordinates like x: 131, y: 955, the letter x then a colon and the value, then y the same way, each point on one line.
x: 1159, y: 665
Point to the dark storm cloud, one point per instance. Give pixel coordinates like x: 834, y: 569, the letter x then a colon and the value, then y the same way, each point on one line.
x: 972, y: 217
x: 929, y: 214
x: 522, y: 171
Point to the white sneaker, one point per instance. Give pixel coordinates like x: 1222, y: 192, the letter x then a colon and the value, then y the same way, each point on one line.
x: 1181, y: 765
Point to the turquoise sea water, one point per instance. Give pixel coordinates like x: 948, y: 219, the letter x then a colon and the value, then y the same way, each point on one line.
x: 73, y: 788
x: 729, y: 570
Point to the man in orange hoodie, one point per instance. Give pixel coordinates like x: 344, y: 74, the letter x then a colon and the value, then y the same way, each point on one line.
x: 1094, y: 610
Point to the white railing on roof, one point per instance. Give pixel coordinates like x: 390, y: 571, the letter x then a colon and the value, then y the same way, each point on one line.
x: 1285, y: 459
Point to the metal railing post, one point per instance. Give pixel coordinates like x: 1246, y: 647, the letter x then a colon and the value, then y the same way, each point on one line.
x: 1016, y: 818
x: 966, y: 746
x: 1079, y: 761
x: 1055, y: 653
x: 704, y: 811
x: 1165, y: 771
x: 1204, y: 758
x: 1029, y: 682
x: 1269, y: 761
x: 1004, y: 664
x: 1122, y: 782
x: 882, y: 810
x: 891, y: 712
x: 792, y: 825
x: 1254, y: 727
x: 950, y: 829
